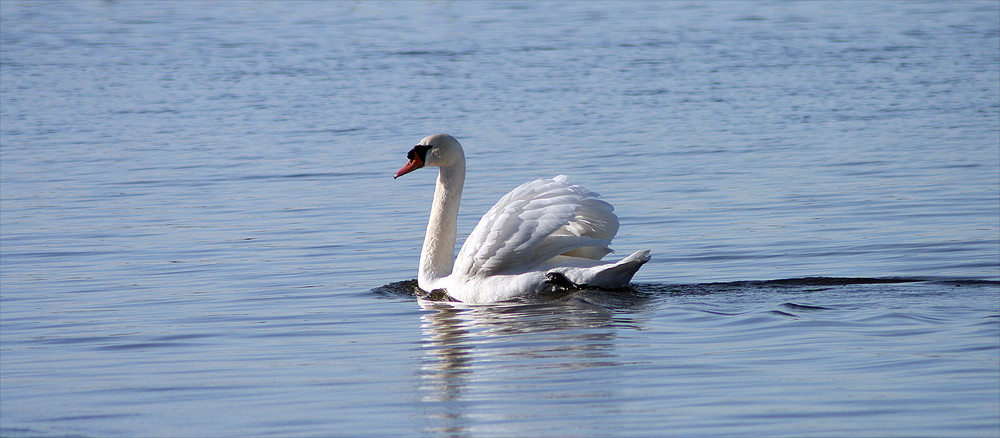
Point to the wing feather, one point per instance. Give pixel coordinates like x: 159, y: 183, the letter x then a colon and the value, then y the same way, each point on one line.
x: 536, y: 221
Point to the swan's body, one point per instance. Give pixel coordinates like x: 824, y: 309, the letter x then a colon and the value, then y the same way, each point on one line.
x: 545, y: 233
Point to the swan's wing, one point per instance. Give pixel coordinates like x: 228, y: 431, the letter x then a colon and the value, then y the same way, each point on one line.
x: 535, y: 222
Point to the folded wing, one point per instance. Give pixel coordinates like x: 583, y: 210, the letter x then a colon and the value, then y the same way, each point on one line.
x: 536, y: 221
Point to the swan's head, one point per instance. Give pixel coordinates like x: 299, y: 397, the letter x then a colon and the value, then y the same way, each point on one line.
x: 438, y: 150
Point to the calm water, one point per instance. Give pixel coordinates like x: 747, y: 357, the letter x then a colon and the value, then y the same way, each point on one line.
x: 201, y: 235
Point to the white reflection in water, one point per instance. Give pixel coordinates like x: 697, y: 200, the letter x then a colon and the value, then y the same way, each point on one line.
x: 487, y: 355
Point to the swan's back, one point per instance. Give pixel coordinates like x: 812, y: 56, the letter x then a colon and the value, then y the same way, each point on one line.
x: 532, y: 224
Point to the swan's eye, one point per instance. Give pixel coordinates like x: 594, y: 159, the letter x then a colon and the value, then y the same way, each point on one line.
x: 418, y: 151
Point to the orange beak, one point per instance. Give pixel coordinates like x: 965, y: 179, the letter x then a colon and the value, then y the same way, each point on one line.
x: 410, y: 166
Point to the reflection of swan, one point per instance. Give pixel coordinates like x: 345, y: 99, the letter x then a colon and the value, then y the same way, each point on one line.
x: 508, y: 353
x: 513, y: 318
x: 542, y: 234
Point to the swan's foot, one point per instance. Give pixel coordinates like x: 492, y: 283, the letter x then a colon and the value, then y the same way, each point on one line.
x: 559, y: 281
x: 435, y: 295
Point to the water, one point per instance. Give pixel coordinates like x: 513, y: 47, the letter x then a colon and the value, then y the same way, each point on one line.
x: 200, y: 235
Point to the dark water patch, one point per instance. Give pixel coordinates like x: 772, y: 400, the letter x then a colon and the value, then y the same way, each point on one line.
x: 201, y: 182
x: 25, y: 256
x: 181, y: 337
x: 14, y: 432
x: 434, y: 53
x: 898, y: 318
x: 721, y: 313
x: 783, y: 313
x: 71, y: 340
x: 142, y: 346
x: 89, y: 417
x: 335, y: 130
x: 970, y: 282
x: 804, y: 307
x: 317, y: 175
x: 825, y: 281
x: 805, y: 284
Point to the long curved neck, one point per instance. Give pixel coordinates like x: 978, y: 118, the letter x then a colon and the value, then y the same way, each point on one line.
x: 438, y: 254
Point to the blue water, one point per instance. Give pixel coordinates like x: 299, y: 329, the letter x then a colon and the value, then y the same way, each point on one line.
x: 200, y: 234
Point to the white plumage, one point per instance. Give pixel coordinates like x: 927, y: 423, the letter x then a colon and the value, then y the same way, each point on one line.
x: 543, y: 233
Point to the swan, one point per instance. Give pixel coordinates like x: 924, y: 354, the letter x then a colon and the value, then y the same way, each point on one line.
x: 544, y: 234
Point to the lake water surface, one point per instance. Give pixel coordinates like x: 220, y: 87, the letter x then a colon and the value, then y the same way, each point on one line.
x: 200, y: 234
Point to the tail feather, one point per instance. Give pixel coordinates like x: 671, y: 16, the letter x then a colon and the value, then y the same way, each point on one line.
x: 607, y: 276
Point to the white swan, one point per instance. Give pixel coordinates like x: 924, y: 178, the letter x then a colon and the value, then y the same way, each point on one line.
x: 543, y: 234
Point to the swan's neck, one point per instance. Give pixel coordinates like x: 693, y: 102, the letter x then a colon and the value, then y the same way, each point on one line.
x: 438, y: 254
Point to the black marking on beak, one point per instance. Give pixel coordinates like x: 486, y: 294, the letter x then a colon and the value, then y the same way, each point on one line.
x: 418, y: 151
